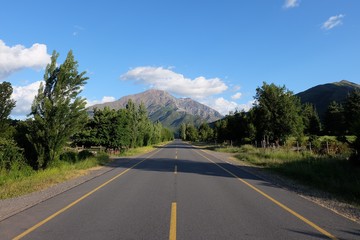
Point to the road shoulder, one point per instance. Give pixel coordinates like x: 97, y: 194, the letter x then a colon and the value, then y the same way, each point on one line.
x: 319, y: 197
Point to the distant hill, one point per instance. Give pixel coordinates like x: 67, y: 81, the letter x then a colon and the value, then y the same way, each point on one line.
x: 322, y: 95
x: 167, y: 109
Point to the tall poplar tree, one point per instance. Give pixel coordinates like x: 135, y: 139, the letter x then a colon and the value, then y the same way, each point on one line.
x: 6, y: 105
x: 57, y: 109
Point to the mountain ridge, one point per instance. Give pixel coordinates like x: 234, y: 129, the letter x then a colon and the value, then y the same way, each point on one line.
x: 322, y: 95
x: 167, y: 109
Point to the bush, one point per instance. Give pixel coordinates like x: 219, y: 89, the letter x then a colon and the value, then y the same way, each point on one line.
x: 69, y: 156
x: 85, y: 154
x: 10, y: 155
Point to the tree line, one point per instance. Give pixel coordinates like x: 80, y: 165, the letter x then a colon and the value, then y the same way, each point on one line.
x: 59, y: 117
x: 277, y: 114
x: 121, y: 129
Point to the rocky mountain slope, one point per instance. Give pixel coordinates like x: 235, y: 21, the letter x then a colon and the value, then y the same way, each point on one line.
x: 167, y: 109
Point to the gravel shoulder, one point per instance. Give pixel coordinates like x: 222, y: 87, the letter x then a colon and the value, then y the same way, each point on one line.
x: 321, y: 198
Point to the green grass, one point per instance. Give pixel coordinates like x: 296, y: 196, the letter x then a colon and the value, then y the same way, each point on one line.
x: 140, y: 150
x: 22, y: 180
x: 19, y: 182
x: 333, y: 174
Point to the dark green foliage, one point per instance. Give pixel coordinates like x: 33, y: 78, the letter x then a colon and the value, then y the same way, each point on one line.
x: 69, y: 156
x: 206, y: 134
x: 277, y: 113
x: 182, y: 131
x: 335, y: 119
x: 352, y: 112
x: 84, y: 154
x: 57, y: 109
x: 10, y: 155
x: 311, y: 120
x: 191, y: 133
x: 236, y: 127
x: 122, y: 129
x: 6, y: 106
x: 20, y: 137
x: 322, y: 95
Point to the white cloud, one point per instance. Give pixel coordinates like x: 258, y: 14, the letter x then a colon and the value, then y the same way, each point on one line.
x: 236, y: 88
x: 168, y: 80
x: 332, y: 22
x: 103, y: 100
x: 17, y: 57
x: 224, y: 106
x: 236, y: 96
x: 24, y: 96
x: 77, y: 30
x: 291, y: 3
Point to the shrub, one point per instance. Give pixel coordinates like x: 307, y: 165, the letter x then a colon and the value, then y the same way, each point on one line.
x: 69, y: 156
x: 10, y: 154
x: 85, y: 154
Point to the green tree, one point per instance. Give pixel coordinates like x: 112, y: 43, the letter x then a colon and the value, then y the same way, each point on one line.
x: 57, y: 109
x: 183, y: 131
x: 133, y: 121
x: 277, y: 113
x: 352, y: 111
x: 143, y: 126
x: 191, y: 133
x: 6, y: 106
x: 335, y: 119
x: 205, y: 132
x: 311, y: 120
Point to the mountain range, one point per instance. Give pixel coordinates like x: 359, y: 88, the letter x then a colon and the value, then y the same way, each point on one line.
x: 172, y: 111
x: 167, y: 109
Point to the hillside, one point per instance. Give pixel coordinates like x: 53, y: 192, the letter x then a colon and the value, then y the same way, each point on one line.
x: 167, y: 109
x: 322, y: 95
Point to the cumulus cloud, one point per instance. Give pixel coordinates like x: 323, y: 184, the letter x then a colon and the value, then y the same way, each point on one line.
x: 224, y: 106
x: 17, y: 57
x: 24, y: 96
x: 103, y: 100
x: 333, y: 21
x: 168, y: 80
x: 236, y: 96
x: 291, y: 3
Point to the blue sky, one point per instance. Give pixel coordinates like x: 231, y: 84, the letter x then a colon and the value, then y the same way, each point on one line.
x: 216, y: 52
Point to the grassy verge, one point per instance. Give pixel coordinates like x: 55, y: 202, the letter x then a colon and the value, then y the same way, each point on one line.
x: 26, y: 180
x: 140, y: 150
x: 333, y: 174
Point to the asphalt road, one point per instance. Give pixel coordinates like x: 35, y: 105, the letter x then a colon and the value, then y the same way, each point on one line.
x: 177, y: 192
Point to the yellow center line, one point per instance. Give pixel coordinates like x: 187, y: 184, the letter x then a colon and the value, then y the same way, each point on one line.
x: 172, y: 233
x: 310, y: 223
x: 33, y: 228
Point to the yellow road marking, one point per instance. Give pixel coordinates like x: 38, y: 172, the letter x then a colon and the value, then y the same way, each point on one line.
x: 175, y: 170
x: 310, y: 223
x: 33, y: 228
x: 172, y: 233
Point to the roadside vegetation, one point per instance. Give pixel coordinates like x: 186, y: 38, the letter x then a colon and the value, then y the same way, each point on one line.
x: 330, y: 173
x: 57, y: 141
x: 287, y: 137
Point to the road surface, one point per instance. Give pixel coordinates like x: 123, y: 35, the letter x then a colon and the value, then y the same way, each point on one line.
x: 177, y: 192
